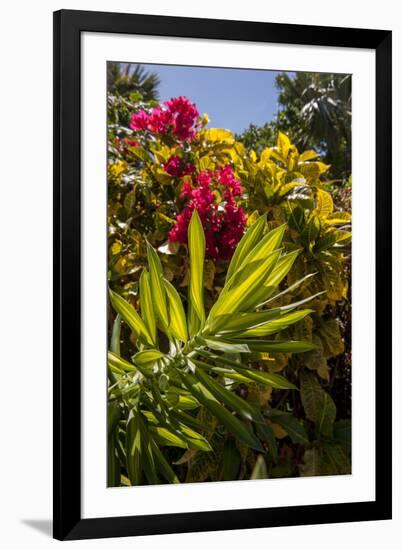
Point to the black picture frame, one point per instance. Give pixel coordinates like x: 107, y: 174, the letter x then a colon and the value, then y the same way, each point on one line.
x: 68, y: 27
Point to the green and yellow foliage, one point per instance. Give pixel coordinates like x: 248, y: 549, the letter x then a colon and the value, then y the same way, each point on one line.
x: 224, y: 369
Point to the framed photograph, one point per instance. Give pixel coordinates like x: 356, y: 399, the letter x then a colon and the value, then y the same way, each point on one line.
x: 222, y: 275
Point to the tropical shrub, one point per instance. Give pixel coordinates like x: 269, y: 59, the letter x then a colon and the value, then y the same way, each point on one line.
x: 167, y: 169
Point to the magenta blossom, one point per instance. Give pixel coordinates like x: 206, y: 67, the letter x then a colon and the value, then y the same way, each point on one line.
x: 176, y: 167
x: 177, y: 116
x: 224, y: 222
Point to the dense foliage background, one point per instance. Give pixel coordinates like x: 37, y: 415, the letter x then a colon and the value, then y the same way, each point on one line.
x: 164, y: 163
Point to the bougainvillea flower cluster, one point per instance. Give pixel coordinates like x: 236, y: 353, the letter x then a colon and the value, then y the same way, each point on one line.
x: 177, y: 168
x: 213, y: 193
x: 178, y: 116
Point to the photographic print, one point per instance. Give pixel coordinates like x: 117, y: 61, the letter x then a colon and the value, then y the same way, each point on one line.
x: 229, y: 274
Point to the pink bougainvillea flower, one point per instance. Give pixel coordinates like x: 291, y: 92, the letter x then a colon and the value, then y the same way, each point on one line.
x: 177, y: 168
x: 223, y: 223
x: 184, y: 115
x: 177, y: 116
x: 139, y: 121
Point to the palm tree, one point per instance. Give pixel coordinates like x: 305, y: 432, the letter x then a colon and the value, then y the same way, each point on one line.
x: 126, y: 78
x: 316, y: 110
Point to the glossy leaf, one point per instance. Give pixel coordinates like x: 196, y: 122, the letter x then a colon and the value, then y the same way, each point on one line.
x: 147, y: 308
x: 131, y: 317
x: 157, y: 286
x: 196, y: 244
x: 177, y: 317
x: 246, y: 244
x: 234, y: 425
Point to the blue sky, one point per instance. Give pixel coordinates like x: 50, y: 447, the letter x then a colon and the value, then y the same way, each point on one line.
x: 233, y: 98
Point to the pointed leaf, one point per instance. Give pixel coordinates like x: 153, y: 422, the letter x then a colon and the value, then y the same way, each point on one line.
x: 196, y: 245
x: 246, y: 244
x: 243, y: 296
x: 157, y: 286
x: 177, y: 317
x: 115, y: 339
x: 232, y: 423
x: 134, y: 449
x: 147, y: 309
x: 228, y: 398
x: 163, y: 465
x: 274, y: 380
x: 276, y: 325
x: 115, y: 361
x: 131, y: 317
x: 222, y: 345
x: 278, y: 346
x: 147, y: 357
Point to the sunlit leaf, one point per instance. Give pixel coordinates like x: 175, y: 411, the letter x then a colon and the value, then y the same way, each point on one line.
x: 157, y: 286
x: 177, y: 317
x: 130, y: 316
x: 196, y: 244
x: 147, y: 308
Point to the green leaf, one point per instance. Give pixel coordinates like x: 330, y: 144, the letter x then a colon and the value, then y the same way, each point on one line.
x: 260, y: 469
x: 193, y: 321
x: 157, y: 286
x: 292, y: 288
x: 342, y: 238
x: 243, y: 296
x: 279, y: 272
x: 278, y: 346
x: 115, y: 339
x: 243, y: 321
x: 331, y: 338
x: 325, y: 205
x: 177, y: 325
x: 295, y: 217
x: 228, y: 398
x: 183, y: 437
x: 265, y: 432
x: 134, y: 449
x: 246, y: 244
x: 343, y: 434
x: 113, y: 416
x: 205, y: 397
x: 163, y: 465
x: 270, y: 242
x: 147, y: 309
x: 231, y: 460
x: 218, y: 344
x: 311, y: 231
x: 196, y: 245
x: 274, y: 380
x: 163, y: 436
x: 317, y: 403
x: 148, y: 463
x: 338, y: 458
x: 276, y: 325
x: 117, y: 362
x: 293, y: 426
x: 147, y: 357
x: 131, y: 317
x: 113, y: 464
